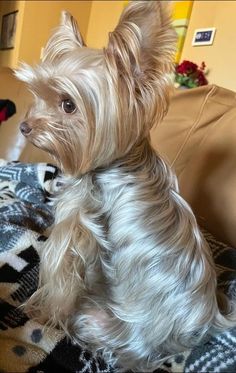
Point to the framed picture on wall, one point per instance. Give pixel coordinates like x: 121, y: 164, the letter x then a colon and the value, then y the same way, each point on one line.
x: 8, y: 30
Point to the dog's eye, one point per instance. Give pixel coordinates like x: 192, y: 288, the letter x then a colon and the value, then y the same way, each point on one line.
x: 68, y: 106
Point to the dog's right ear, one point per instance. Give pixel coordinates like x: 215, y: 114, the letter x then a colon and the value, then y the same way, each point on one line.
x: 66, y: 38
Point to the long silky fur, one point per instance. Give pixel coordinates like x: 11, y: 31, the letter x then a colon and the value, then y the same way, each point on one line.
x: 125, y: 269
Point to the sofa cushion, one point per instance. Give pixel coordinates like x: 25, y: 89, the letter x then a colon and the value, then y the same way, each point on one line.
x: 198, y: 138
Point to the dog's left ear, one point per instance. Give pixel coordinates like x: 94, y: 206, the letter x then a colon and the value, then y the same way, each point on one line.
x: 144, y: 39
x: 66, y: 38
x: 140, y: 51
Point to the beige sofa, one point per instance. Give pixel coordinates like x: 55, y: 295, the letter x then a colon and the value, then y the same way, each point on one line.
x: 198, y: 138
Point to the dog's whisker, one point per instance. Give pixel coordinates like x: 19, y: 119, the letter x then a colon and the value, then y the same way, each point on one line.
x: 55, y: 126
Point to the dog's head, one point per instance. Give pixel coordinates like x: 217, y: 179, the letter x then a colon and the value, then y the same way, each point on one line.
x: 92, y: 106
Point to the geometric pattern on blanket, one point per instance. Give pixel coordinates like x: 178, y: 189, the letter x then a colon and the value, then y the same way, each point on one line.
x: 25, y: 211
x: 24, y: 204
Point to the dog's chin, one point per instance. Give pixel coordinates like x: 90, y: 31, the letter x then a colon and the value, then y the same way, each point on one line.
x: 40, y: 145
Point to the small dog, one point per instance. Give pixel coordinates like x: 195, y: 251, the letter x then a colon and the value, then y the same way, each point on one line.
x: 125, y: 269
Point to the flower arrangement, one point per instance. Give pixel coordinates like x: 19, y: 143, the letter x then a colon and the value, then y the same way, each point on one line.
x: 190, y: 75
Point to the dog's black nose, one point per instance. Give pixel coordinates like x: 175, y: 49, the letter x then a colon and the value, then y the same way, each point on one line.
x: 25, y: 128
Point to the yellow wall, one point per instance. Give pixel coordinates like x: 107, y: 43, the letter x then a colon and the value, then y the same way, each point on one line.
x: 103, y: 19
x: 220, y: 57
x: 181, y: 15
x: 39, y: 20
x: 35, y: 20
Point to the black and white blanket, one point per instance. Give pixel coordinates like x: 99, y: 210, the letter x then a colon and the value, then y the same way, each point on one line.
x: 25, y: 213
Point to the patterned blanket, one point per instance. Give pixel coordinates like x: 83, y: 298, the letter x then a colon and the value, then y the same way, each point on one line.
x: 25, y: 212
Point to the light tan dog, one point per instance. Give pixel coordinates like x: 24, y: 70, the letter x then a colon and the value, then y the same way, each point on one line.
x: 125, y: 269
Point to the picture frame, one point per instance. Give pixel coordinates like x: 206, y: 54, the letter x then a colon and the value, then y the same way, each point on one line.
x: 8, y: 30
x: 203, y: 36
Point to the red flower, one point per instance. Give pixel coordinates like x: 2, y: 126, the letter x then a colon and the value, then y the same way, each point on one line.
x: 186, y: 67
x: 190, y: 74
x: 201, y: 78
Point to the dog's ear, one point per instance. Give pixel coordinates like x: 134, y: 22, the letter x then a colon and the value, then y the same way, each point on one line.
x: 66, y: 37
x: 140, y: 58
x: 144, y: 39
x: 69, y: 22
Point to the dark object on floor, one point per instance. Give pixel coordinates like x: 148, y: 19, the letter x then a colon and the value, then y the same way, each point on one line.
x: 7, y: 109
